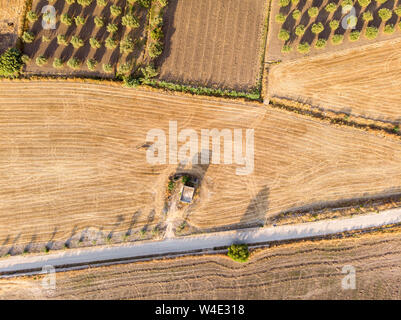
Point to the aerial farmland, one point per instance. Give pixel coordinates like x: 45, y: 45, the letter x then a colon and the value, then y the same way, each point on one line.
x: 225, y: 137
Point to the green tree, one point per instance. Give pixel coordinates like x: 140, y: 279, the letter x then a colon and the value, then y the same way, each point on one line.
x: 303, y: 47
x: 286, y: 48
x: 28, y: 37
x: 77, y: 42
x: 115, y: 10
x: 31, y: 16
x: 337, y: 39
x: 283, y: 3
x: 354, y: 35
x: 364, y: 3
x: 367, y: 16
x: 144, y: 3
x: 10, y: 63
x: 66, y: 19
x: 389, y: 29
x: 58, y: 63
x: 155, y: 50
x: 91, y: 63
x: 130, y: 21
x: 107, y: 68
x: 300, y: 30
x: 397, y: 11
x: 385, y: 14
x: 127, y: 45
x: 41, y: 61
x: 84, y: 3
x: 25, y: 59
x: 313, y: 12
x: 334, y: 24
x: 371, y: 33
x: 70, y: 1
x: 317, y: 28
x: 79, y: 21
x: 62, y: 40
x: 331, y: 7
x: 280, y: 18
x: 94, y: 43
x: 101, y: 3
x: 99, y: 22
x: 296, y: 14
x: 74, y: 63
x: 283, y: 35
x: 238, y: 252
x: 112, y: 27
x: 111, y: 43
x: 156, y: 34
x: 320, y: 43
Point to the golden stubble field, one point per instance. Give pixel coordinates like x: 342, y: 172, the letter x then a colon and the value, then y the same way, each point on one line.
x: 363, y: 81
x: 310, y: 270
x: 72, y: 159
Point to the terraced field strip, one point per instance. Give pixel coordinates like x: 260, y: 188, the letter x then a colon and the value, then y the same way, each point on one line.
x: 362, y: 81
x: 222, y: 42
x: 71, y: 160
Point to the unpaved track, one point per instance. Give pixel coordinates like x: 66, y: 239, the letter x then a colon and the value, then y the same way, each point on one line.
x: 363, y: 81
x: 205, y: 242
x: 70, y: 159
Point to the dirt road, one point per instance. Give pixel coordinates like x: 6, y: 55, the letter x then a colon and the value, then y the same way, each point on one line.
x: 204, y: 242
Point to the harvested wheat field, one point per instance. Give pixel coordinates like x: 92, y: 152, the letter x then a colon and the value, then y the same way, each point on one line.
x: 310, y: 270
x: 213, y: 43
x: 10, y: 13
x: 73, y: 163
x: 363, y: 82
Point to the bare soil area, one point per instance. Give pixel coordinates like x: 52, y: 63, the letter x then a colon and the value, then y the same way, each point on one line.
x: 73, y: 162
x: 213, y: 43
x: 363, y: 81
x: 309, y: 270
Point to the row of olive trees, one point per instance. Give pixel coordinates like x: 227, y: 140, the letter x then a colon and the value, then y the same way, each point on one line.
x: 332, y: 6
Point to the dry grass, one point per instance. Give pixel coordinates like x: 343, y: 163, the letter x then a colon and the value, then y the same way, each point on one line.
x: 10, y: 13
x: 363, y: 81
x: 222, y: 42
x: 71, y: 159
x: 308, y: 270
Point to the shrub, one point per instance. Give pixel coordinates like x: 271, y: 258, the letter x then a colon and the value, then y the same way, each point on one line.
x: 108, y: 68
x: 28, y: 37
x: 25, y: 59
x: 91, y: 63
x: 364, y: 3
x: 286, y: 48
x: 354, y: 35
x: 163, y: 3
x: 371, y: 33
x: 283, y: 3
x: 112, y: 27
x: 283, y: 35
x: 84, y: 3
x: 320, y: 43
x: 294, y: 2
x: 99, y: 22
x: 303, y: 47
x: 101, y: 3
x: 156, y: 34
x: 238, y: 252
x: 10, y: 63
x: 389, y: 29
x: 58, y: 63
x: 70, y: 1
x: 79, y: 21
x: 367, y: 16
x: 66, y: 19
x: 111, y: 43
x: 149, y: 72
x: 94, y: 43
x: 381, y: 1
x: 155, y: 50
x: 31, y: 16
x: 346, y: 3
x: 398, y: 11
x: 115, y: 10
x: 144, y: 3
x: 385, y: 14
x: 127, y: 45
x: 77, y: 42
x: 313, y: 12
x: 130, y: 21
x: 62, y: 40
x: 280, y: 18
x: 41, y: 61
x: 74, y: 63
x: 337, y: 39
x: 300, y: 30
x: 334, y: 24
x: 317, y: 28
x: 296, y: 14
x: 331, y: 7
x: 125, y: 68
x: 45, y: 38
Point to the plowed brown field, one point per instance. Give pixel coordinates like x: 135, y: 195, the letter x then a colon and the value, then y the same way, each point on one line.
x: 71, y: 158
x: 311, y: 270
x: 363, y: 81
x: 213, y: 43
